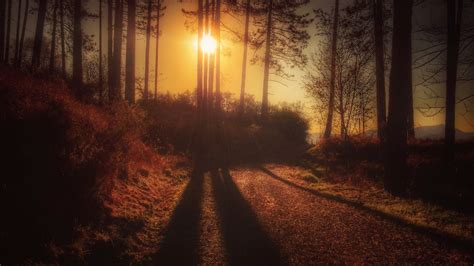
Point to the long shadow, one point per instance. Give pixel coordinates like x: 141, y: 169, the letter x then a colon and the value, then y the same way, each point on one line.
x: 441, y: 237
x: 245, y: 240
x: 181, y: 241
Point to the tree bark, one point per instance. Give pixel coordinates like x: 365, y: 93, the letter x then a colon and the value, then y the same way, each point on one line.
x: 332, y: 85
x: 101, y: 73
x: 38, y: 42
x: 63, y: 39
x: 77, y: 46
x: 23, y: 31
x: 7, y: 42
x: 155, y: 96
x: 244, y: 59
x: 147, y: 51
x: 2, y: 29
x: 52, y: 58
x: 396, y: 172
x: 268, y: 58
x: 17, y: 39
x: 218, y: 57
x: 117, y: 64
x: 380, y: 69
x: 130, y: 59
x: 110, y: 52
x: 454, y: 20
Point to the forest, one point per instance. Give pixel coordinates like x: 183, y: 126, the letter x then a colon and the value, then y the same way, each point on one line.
x: 236, y: 132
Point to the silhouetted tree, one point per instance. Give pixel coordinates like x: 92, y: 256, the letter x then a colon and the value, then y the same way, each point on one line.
x: 63, y: 38
x: 7, y: 42
x: 160, y: 8
x: 2, y: 29
x: 454, y: 22
x: 110, y: 51
x: 380, y: 67
x: 52, y: 59
x: 130, y: 59
x: 147, y: 49
x: 23, y: 31
x: 283, y: 31
x: 328, y: 129
x: 245, y: 55
x: 77, y: 75
x: 38, y: 42
x: 17, y: 39
x: 101, y: 72
x: 396, y: 171
x: 117, y: 63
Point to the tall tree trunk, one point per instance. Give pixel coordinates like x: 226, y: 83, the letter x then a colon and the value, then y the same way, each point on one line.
x: 454, y: 21
x: 38, y: 42
x: 130, y: 60
x: 117, y: 65
x: 17, y: 39
x: 2, y: 29
x: 396, y: 145
x: 63, y: 39
x: 147, y: 51
x: 158, y: 12
x: 410, y: 111
x: 7, y: 42
x: 328, y: 129
x: 212, y: 57
x: 101, y: 72
x: 23, y: 30
x: 110, y: 51
x: 268, y: 59
x: 244, y: 59
x: 52, y: 58
x: 380, y: 69
x: 218, y: 57
x: 206, y: 58
x: 200, y: 56
x: 77, y: 46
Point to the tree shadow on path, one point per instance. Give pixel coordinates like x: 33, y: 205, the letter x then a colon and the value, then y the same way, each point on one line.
x: 180, y: 245
x: 440, y: 237
x: 245, y: 240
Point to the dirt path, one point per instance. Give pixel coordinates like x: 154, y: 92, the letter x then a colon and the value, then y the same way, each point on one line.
x: 252, y: 217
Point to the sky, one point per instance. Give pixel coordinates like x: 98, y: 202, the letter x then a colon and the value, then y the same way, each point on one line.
x: 177, y: 62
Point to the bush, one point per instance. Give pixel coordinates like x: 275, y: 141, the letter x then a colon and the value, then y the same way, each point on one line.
x: 171, y: 120
x: 61, y: 158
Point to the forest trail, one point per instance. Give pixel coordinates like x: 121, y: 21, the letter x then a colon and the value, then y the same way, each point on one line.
x: 253, y: 216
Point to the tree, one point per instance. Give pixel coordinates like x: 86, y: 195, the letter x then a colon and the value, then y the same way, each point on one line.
x: 454, y: 22
x: 63, y: 39
x: 147, y: 49
x: 38, y: 42
x: 159, y: 10
x: 23, y: 30
x: 117, y: 62
x: 244, y: 59
x: 101, y: 75
x: 110, y: 51
x: 283, y: 31
x: 328, y: 129
x: 2, y: 29
x: 130, y: 59
x: 17, y: 39
x: 52, y: 59
x: 7, y: 42
x: 396, y: 171
x: 380, y: 68
x: 77, y: 75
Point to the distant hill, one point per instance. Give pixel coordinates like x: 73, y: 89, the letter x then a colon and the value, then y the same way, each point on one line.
x: 437, y: 132
x: 425, y: 132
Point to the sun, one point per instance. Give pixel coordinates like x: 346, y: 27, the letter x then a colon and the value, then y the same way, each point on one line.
x: 208, y: 44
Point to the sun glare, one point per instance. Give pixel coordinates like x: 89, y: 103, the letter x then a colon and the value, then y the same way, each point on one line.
x: 208, y: 44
